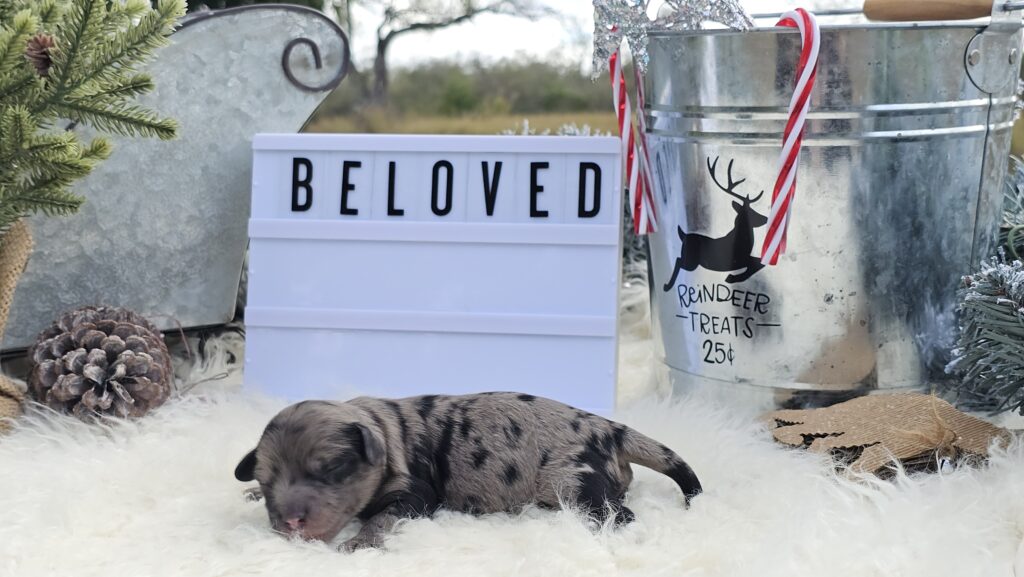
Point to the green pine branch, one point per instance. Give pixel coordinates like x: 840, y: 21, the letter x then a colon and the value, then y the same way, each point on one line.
x: 91, y: 75
x: 48, y: 196
x: 16, y: 88
x: 108, y: 115
x: 79, y: 27
x: 114, y: 56
x: 49, y: 12
x: 123, y: 87
x: 13, y: 40
x: 7, y: 10
x: 17, y: 127
x: 8, y: 216
x: 123, y: 15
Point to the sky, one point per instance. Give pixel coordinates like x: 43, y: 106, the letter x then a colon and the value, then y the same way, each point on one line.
x: 493, y: 37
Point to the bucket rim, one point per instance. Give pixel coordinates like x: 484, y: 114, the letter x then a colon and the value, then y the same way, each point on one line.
x: 977, y: 25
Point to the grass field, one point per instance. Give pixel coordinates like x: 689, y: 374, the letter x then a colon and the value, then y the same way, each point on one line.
x: 387, y: 123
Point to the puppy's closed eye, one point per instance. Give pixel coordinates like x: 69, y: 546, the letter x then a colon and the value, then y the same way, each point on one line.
x: 338, y: 468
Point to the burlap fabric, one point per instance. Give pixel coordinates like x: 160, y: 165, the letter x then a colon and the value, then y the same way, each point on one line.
x: 911, y: 428
x: 15, y: 248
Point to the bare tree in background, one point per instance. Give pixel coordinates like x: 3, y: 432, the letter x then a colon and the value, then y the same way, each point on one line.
x: 343, y: 14
x: 401, y: 17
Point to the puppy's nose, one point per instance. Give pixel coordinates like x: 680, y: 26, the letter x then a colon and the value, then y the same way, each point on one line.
x: 296, y: 523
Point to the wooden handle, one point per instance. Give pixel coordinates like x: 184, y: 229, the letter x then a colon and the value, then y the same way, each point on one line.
x: 926, y: 10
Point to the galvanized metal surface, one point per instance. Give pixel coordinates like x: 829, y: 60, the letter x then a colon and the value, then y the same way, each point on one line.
x: 898, y: 195
x: 163, y: 230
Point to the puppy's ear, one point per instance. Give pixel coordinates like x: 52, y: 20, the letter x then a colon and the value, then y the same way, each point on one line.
x: 373, y: 445
x: 246, y: 469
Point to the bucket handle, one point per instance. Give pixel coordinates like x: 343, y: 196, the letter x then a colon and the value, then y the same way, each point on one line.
x: 916, y: 10
x: 932, y: 10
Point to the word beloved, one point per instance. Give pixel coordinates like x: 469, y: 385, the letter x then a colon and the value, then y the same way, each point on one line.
x: 441, y: 187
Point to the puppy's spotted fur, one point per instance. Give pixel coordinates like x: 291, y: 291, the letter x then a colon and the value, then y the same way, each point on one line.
x: 320, y: 464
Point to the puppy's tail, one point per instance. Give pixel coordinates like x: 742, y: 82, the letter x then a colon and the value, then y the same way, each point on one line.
x: 649, y: 453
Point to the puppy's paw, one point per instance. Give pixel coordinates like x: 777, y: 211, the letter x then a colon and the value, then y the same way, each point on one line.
x: 358, y: 542
x: 255, y: 494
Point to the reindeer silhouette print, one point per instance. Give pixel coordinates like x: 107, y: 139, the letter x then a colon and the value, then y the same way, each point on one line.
x: 730, y: 253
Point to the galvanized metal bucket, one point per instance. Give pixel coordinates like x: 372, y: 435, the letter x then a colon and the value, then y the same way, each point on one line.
x: 898, y: 195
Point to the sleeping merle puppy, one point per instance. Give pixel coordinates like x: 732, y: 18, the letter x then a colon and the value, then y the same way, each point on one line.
x: 320, y: 464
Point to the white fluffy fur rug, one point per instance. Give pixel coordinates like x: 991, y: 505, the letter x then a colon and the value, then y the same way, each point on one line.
x: 157, y: 497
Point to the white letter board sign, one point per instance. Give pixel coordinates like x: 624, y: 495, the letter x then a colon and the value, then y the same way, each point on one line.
x: 392, y: 266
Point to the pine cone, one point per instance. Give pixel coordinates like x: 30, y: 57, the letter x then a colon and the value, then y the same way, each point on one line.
x: 101, y: 360
x: 38, y: 53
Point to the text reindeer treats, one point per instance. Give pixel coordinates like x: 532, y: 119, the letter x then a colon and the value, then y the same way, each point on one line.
x: 399, y: 265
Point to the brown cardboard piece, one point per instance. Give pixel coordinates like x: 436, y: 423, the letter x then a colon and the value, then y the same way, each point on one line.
x: 871, y: 431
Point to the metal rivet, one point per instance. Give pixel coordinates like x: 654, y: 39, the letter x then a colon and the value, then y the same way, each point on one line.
x: 1013, y: 56
x: 974, y: 57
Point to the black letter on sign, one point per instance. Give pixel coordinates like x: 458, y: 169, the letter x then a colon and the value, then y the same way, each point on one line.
x: 392, y: 211
x: 302, y: 183
x: 346, y: 187
x: 536, y: 189
x: 448, y: 189
x: 584, y: 167
x: 491, y: 186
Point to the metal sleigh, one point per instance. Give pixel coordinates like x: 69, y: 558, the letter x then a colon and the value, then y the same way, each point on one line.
x: 164, y: 227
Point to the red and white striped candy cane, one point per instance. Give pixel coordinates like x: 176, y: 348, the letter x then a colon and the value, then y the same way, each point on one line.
x: 785, y: 183
x: 647, y: 198
x: 637, y: 178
